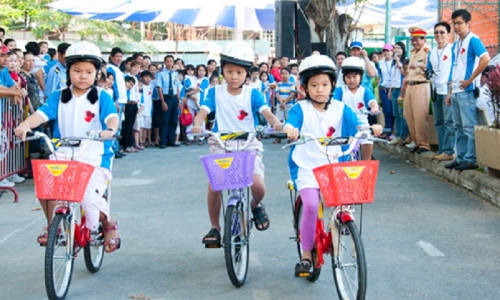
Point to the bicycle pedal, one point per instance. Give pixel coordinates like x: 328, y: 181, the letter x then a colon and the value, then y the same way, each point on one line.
x: 302, y: 274
x: 212, y: 245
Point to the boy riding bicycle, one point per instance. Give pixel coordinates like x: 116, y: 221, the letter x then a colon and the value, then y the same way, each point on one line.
x: 236, y: 107
x: 78, y: 109
x: 319, y: 116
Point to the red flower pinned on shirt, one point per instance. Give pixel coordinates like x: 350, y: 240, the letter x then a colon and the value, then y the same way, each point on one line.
x: 149, y: 93
x: 360, y: 105
x: 89, y: 116
x: 445, y: 57
x: 330, y: 131
x: 242, y: 115
x: 462, y: 51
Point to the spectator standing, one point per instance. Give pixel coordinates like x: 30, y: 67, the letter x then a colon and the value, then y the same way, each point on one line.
x: 169, y: 87
x: 416, y: 101
x: 369, y: 67
x: 275, y: 70
x: 400, y: 126
x: 484, y: 101
x: 469, y: 60
x: 38, y: 69
x: 339, y: 58
x: 386, y: 70
x: 439, y: 64
x: 56, y: 77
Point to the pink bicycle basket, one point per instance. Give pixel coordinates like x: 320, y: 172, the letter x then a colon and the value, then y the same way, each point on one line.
x: 61, y: 179
x: 347, y: 182
x: 229, y: 170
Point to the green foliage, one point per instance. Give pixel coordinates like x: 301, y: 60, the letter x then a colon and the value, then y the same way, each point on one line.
x: 43, y: 23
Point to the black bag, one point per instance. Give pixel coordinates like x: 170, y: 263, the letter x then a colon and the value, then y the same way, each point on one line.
x: 477, y: 92
x: 434, y: 94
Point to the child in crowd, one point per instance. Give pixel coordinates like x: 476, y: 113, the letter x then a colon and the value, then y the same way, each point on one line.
x: 214, y: 81
x: 180, y: 130
x: 136, y: 129
x: 248, y: 80
x: 130, y: 112
x: 266, y: 87
x: 356, y: 97
x: 236, y: 106
x: 275, y: 69
x: 77, y: 109
x: 147, y: 93
x: 196, y: 94
x: 254, y: 79
x: 285, y: 94
x: 320, y: 116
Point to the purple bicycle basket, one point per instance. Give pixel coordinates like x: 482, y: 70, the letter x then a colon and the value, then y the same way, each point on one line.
x: 229, y: 170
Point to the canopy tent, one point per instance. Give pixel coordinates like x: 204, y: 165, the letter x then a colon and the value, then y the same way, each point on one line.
x: 253, y: 15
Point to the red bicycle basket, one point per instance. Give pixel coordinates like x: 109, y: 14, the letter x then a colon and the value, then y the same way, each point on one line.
x: 348, y: 182
x: 61, y: 179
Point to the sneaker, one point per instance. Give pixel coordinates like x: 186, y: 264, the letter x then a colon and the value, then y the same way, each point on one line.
x: 443, y: 157
x: 410, y: 145
x: 16, y: 178
x: 395, y: 141
x: 7, y: 183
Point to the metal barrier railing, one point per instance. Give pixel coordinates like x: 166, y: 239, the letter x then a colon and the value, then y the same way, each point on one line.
x: 13, y: 156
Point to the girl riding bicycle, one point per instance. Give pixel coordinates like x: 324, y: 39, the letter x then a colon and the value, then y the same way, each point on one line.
x: 78, y: 109
x: 236, y: 106
x: 319, y: 116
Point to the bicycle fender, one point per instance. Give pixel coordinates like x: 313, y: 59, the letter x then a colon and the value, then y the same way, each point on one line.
x: 345, y: 217
x: 62, y: 210
x: 232, y: 201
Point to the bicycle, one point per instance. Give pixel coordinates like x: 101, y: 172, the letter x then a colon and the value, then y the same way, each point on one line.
x: 233, y: 171
x: 342, y: 186
x: 65, y: 180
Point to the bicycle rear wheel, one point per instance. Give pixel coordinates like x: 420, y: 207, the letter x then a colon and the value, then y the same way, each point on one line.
x: 236, y: 244
x: 94, y: 251
x: 349, y: 265
x: 314, y: 275
x: 58, y: 258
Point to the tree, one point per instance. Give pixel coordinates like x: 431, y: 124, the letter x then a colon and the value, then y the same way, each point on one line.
x: 332, y: 26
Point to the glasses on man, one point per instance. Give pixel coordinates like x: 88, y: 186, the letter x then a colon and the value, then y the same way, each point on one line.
x: 439, y: 32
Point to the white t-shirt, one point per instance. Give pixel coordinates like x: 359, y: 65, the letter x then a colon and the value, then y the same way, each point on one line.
x: 256, y: 85
x: 440, y: 61
x: 147, y: 94
x: 484, y: 102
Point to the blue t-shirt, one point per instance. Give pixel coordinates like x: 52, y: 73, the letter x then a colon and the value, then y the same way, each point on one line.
x: 5, y: 78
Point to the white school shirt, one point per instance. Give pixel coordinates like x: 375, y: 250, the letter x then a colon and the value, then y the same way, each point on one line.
x: 358, y: 102
x: 256, y: 85
x: 147, y: 95
x: 440, y: 61
x: 387, y: 69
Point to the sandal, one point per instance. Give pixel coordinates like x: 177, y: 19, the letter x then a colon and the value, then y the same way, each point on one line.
x: 212, y: 239
x: 113, y: 243
x: 303, y: 268
x: 43, y: 237
x: 188, y: 142
x: 200, y: 142
x: 260, y: 218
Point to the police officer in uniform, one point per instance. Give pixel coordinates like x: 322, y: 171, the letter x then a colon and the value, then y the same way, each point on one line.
x: 56, y: 77
x: 416, y: 100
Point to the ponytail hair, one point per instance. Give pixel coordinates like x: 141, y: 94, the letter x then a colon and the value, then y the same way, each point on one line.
x: 67, y: 95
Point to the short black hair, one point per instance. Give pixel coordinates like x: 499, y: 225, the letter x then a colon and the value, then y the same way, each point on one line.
x: 32, y: 47
x: 7, y: 41
x: 263, y: 63
x: 128, y: 59
x: 2, y: 30
x: 211, y: 61
x: 341, y: 53
x: 293, y: 65
x: 146, y: 56
x: 254, y: 69
x: 42, y: 42
x: 146, y: 73
x: 130, y: 79
x: 52, y: 52
x: 137, y: 54
x: 115, y: 50
x: 461, y: 13
x: 285, y: 69
x: 62, y: 47
x: 445, y: 25
x: 487, y: 70
x: 189, y: 67
x: 168, y: 56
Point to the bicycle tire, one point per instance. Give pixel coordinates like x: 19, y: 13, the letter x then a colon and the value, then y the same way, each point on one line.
x: 58, y: 275
x: 314, y: 275
x: 93, y: 252
x: 349, y: 265
x: 236, y: 244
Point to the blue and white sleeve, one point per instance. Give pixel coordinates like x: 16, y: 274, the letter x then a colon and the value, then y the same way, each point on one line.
x: 208, y: 104
x: 477, y: 46
x: 295, y: 117
x: 50, y: 108
x: 429, y: 65
x: 350, y: 122
x: 338, y: 94
x: 258, y: 102
x: 107, y: 107
x: 368, y: 97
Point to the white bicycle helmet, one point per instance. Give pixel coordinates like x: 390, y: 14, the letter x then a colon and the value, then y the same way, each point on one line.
x: 353, y: 64
x: 238, y: 53
x: 314, y: 65
x: 83, y: 51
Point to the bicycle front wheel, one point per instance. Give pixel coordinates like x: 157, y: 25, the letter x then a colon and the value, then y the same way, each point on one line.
x: 348, y: 262
x: 58, y: 258
x: 94, y: 251
x: 314, y: 275
x: 236, y: 246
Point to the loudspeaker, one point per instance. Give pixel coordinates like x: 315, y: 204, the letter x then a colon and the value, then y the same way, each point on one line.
x: 303, y: 33
x: 321, y: 47
x: 285, y: 28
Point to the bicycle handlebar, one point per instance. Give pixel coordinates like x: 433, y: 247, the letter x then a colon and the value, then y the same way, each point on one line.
x: 230, y: 136
x: 364, y: 132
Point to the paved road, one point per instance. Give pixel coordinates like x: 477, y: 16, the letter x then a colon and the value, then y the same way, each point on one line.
x: 424, y: 238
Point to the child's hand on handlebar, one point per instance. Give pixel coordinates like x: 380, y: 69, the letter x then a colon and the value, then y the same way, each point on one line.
x: 107, y: 134
x: 278, y: 126
x: 377, y: 130
x: 292, y: 133
x: 196, y: 129
x: 21, y: 131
